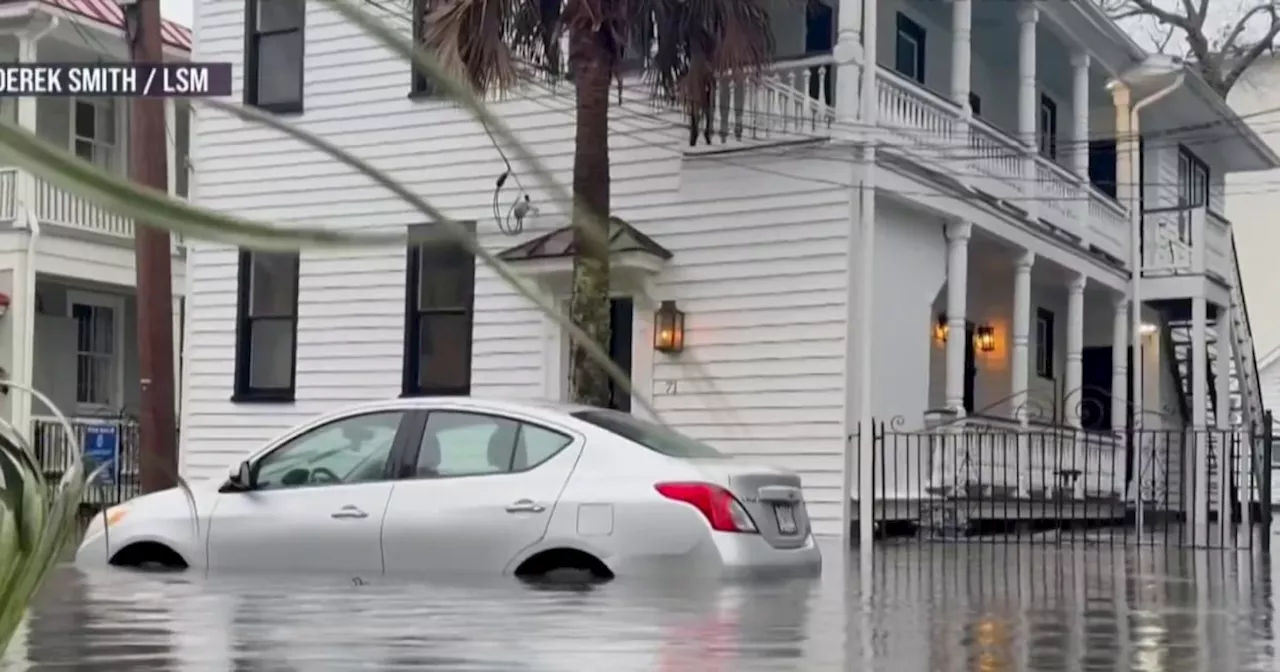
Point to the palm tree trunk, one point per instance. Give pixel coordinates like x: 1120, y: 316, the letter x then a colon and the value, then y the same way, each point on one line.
x: 591, y: 62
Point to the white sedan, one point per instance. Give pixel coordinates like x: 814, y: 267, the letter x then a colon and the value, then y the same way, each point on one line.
x: 443, y: 486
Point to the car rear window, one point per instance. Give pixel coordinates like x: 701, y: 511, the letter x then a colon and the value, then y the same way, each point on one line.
x: 651, y: 435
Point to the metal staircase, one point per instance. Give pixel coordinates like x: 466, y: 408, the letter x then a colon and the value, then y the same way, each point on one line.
x: 1244, y: 404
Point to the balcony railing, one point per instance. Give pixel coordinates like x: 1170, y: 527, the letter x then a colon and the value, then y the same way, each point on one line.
x: 1186, y: 242
x: 56, y: 206
x: 792, y: 101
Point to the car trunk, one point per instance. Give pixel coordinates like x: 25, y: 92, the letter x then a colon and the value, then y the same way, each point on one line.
x: 772, y: 496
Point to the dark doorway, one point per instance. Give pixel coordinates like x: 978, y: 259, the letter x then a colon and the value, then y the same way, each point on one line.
x: 621, y: 312
x: 970, y: 367
x: 819, y: 38
x: 1102, y: 166
x: 1095, y: 393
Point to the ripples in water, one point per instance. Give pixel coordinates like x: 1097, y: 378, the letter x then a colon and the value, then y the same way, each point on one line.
x: 938, y: 608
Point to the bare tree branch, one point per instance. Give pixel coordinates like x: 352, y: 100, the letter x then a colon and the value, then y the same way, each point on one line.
x: 1222, y: 55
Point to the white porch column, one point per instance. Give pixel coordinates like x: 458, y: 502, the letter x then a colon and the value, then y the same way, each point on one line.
x: 961, y: 29
x: 1075, y: 348
x: 1080, y: 115
x: 1120, y: 365
x: 1020, y: 366
x: 1224, y: 445
x: 958, y: 233
x: 1199, y: 476
x: 848, y: 55
x: 1028, y: 101
x: 1126, y: 177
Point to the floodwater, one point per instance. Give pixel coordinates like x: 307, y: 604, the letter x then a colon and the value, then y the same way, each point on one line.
x: 929, y: 607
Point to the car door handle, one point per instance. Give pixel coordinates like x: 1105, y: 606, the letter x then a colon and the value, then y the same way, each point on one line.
x: 349, y: 512
x: 525, y: 506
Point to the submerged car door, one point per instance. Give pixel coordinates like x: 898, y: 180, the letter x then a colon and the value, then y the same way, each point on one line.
x: 476, y: 491
x: 316, y: 501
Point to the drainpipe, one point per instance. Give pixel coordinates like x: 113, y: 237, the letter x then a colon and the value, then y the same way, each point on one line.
x: 1135, y: 281
x: 24, y: 346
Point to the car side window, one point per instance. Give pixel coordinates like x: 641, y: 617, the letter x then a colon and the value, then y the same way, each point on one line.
x: 456, y: 443
x: 350, y: 450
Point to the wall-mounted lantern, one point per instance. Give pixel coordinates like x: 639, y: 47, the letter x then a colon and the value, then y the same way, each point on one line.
x: 4, y: 304
x: 941, y: 329
x: 668, y: 328
x: 984, y: 338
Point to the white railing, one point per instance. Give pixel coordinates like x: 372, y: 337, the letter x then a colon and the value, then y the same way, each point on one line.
x: 932, y: 130
x: 998, y: 456
x: 794, y: 100
x: 1186, y: 242
x: 789, y: 100
x: 1109, y: 222
x: 8, y: 194
x: 56, y: 206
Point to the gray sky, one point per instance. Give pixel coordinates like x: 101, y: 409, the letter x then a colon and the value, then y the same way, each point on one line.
x: 177, y: 10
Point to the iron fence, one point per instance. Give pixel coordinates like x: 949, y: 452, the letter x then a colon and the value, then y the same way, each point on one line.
x: 118, y: 479
x: 970, y: 481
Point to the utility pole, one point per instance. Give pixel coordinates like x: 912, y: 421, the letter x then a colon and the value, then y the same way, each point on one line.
x: 158, y: 452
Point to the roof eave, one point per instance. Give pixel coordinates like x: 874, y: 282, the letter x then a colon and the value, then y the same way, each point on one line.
x: 1266, y: 158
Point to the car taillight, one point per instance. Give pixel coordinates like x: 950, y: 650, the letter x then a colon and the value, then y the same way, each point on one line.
x: 719, y: 506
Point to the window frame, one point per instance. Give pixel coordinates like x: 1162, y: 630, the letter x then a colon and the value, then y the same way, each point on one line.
x: 252, y: 56
x: 99, y: 104
x: 409, y: 426
x: 1045, y: 325
x: 913, y: 31
x: 1194, y: 165
x: 420, y: 85
x: 1047, y: 138
x: 116, y: 357
x: 243, y: 389
x: 407, y: 469
x: 411, y: 384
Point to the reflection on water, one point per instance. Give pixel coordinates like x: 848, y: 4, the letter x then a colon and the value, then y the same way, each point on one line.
x: 944, y: 608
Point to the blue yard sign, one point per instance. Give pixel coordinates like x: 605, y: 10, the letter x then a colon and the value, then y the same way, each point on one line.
x: 102, y: 447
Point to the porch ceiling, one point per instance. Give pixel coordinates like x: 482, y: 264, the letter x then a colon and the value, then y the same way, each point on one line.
x: 994, y: 258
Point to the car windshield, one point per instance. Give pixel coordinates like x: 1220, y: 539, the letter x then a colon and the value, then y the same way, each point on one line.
x: 651, y: 435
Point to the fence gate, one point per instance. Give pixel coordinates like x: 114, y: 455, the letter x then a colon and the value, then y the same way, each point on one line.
x: 1193, y: 488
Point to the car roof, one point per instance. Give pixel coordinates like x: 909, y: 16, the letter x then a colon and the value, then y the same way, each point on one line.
x: 483, y: 403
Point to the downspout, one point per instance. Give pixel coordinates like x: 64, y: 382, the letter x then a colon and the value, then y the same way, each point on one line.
x: 1137, y: 403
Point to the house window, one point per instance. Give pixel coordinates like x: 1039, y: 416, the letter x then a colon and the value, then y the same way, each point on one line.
x: 1044, y: 343
x: 975, y: 104
x: 1048, y: 127
x: 99, y: 376
x: 266, y: 326
x: 439, y: 297
x: 909, y: 58
x: 274, y: 46
x: 93, y: 130
x: 1193, y: 180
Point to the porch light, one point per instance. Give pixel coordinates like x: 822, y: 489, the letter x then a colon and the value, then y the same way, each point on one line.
x: 984, y: 338
x: 668, y: 328
x: 1148, y: 329
x: 4, y: 304
x: 941, y: 329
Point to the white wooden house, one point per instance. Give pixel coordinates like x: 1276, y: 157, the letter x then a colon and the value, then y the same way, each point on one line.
x: 67, y: 274
x: 997, y: 212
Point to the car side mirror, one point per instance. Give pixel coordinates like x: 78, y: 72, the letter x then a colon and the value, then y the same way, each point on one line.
x: 241, y: 477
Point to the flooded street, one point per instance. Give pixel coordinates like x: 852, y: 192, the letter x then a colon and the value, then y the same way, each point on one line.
x: 932, y: 607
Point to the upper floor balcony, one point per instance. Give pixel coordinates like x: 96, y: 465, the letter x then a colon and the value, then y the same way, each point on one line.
x: 94, y: 128
x: 1008, y: 100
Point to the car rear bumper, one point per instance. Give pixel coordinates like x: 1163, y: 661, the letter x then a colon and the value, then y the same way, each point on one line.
x: 750, y: 555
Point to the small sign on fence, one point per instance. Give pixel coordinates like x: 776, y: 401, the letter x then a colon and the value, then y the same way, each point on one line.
x: 102, y: 447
